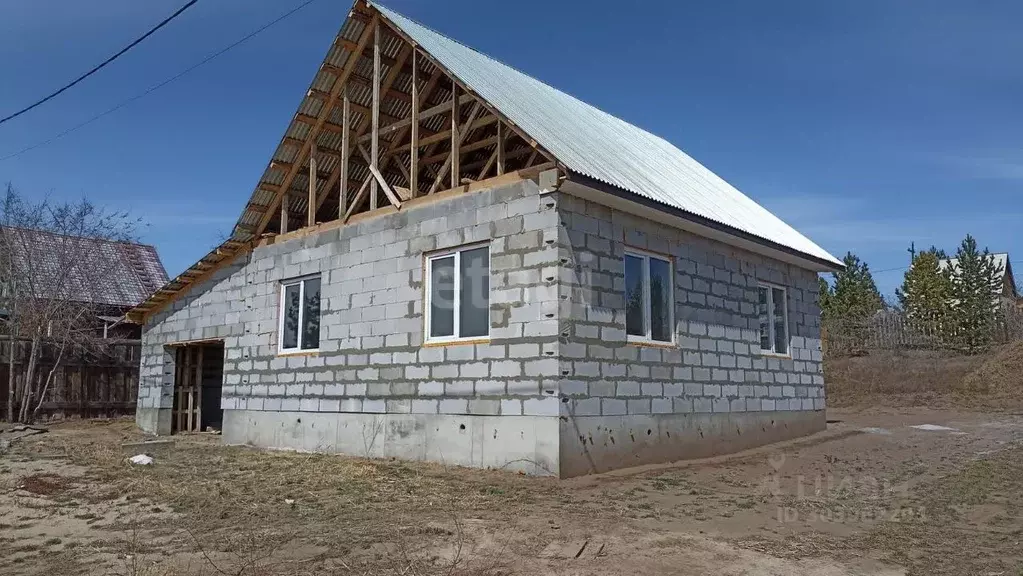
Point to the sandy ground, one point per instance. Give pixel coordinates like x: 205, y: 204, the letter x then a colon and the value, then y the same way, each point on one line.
x: 871, y: 495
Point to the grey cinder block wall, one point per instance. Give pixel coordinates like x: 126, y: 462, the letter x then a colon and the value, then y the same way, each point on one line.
x: 556, y: 389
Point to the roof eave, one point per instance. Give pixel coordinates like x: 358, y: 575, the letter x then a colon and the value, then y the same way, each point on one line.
x: 711, y: 228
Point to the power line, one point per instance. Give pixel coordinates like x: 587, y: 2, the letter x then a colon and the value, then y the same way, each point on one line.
x: 156, y: 87
x: 104, y: 63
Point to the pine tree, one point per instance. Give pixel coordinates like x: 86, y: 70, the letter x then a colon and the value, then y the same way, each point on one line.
x: 925, y: 291
x: 855, y: 295
x: 975, y: 283
x: 824, y: 295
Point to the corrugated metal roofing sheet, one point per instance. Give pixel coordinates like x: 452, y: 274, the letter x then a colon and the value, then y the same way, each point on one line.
x: 120, y: 274
x: 1000, y: 259
x: 598, y: 145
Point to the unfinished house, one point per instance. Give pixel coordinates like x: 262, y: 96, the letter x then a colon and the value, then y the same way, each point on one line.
x: 449, y: 260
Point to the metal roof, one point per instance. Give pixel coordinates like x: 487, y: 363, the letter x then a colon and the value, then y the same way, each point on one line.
x: 1000, y: 259
x: 600, y: 146
x: 105, y: 272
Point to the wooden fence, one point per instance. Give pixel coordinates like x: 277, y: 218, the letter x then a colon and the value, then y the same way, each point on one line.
x: 895, y: 331
x: 101, y: 383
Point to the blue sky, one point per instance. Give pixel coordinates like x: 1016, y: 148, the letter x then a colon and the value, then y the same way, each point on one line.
x: 866, y: 125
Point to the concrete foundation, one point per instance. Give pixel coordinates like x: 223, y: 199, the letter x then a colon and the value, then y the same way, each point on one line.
x: 518, y: 443
x: 593, y: 444
x: 154, y: 420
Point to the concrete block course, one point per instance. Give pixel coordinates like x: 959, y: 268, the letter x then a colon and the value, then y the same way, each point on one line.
x: 557, y: 350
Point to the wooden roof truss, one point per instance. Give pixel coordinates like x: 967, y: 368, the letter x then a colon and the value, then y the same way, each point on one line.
x: 382, y: 123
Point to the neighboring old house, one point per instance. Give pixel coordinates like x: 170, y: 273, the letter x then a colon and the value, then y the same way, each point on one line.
x: 1009, y: 294
x: 565, y: 293
x: 130, y: 273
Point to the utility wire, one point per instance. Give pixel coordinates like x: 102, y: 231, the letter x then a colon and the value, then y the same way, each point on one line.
x: 104, y: 63
x: 156, y: 87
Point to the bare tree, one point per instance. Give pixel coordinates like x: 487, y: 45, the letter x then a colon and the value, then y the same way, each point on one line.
x: 57, y: 257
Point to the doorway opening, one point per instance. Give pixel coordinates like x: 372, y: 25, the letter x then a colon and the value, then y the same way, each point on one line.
x: 198, y: 383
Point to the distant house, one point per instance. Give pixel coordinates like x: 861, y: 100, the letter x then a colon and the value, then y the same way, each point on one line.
x: 1009, y: 292
x: 446, y: 259
x: 131, y: 273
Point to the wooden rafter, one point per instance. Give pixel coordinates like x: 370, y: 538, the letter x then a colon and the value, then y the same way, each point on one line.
x: 346, y: 151
x: 311, y: 216
x: 323, y: 116
x: 413, y: 171
x: 511, y: 125
x: 392, y: 75
x: 458, y: 134
x: 374, y: 146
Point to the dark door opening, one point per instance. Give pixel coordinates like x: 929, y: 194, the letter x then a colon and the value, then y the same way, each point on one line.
x: 198, y: 383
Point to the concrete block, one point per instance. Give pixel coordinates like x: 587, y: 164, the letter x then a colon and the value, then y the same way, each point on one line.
x: 431, y: 388
x: 661, y: 406
x: 613, y: 407
x: 484, y: 407
x: 627, y: 388
x: 459, y: 388
x: 399, y: 406
x: 453, y: 406
x: 424, y: 406
x: 511, y: 407
x: 351, y: 405
x: 548, y: 406
x: 506, y: 369
x: 638, y: 405
x: 655, y: 389
x: 374, y: 406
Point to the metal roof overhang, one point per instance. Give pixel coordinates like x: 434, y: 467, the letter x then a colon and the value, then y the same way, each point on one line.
x: 628, y: 201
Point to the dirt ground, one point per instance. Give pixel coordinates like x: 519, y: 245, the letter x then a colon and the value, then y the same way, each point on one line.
x: 871, y: 495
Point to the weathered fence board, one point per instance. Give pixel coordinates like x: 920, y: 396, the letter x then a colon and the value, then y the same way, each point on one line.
x: 101, y: 383
x: 895, y: 331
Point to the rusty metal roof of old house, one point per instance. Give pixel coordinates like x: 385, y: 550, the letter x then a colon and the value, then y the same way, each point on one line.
x: 129, y: 272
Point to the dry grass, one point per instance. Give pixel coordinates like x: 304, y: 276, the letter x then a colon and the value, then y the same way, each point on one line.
x: 350, y: 515
x: 993, y: 379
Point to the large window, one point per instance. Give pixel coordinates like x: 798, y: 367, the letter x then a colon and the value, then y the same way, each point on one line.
x: 774, y: 320
x: 648, y: 298
x: 300, y: 315
x: 458, y: 294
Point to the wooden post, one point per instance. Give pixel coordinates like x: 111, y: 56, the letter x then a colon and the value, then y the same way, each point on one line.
x: 455, y: 140
x: 374, y: 149
x: 500, y: 148
x: 344, y: 156
x: 311, y: 217
x: 284, y: 213
x: 198, y: 389
x: 414, y: 142
x: 179, y: 385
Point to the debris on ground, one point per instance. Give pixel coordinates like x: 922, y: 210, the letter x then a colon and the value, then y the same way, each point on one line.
x: 141, y: 459
x: 874, y: 430
x: 934, y: 428
x: 10, y: 435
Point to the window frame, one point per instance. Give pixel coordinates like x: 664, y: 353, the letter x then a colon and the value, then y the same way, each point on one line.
x: 771, y: 320
x: 282, y: 290
x: 646, y: 255
x: 428, y: 259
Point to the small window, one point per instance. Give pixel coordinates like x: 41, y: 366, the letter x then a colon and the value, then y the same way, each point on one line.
x: 649, y: 299
x: 774, y: 316
x: 300, y: 315
x: 458, y: 294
